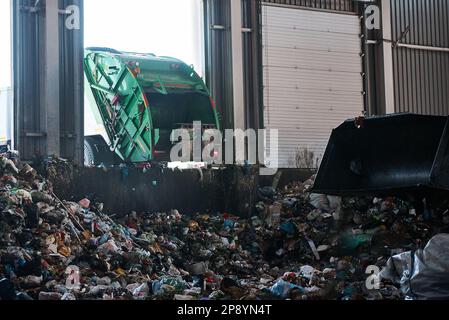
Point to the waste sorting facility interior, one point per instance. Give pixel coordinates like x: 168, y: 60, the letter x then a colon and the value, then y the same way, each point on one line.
x: 403, y: 68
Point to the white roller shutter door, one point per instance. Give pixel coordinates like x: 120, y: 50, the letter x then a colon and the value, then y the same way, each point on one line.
x: 312, y: 79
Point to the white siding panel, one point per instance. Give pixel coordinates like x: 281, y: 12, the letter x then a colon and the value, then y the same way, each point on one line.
x: 320, y: 42
x: 310, y: 20
x: 312, y: 79
x: 279, y: 78
x: 302, y: 59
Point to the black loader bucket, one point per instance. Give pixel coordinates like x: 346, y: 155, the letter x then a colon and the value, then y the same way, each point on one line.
x: 388, y: 154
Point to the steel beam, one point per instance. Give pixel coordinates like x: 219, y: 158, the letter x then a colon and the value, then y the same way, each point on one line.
x: 237, y: 64
x: 51, y: 78
x: 388, y: 57
x: 48, y: 79
x: 78, y: 76
x: 420, y: 47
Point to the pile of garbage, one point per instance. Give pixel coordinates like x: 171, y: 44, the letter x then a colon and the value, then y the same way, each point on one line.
x: 298, y: 246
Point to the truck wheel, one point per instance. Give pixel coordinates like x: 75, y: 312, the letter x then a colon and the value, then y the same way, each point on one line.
x: 96, y: 152
x: 89, y: 155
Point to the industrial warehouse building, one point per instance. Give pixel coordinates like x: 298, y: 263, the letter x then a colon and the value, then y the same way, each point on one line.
x: 301, y: 67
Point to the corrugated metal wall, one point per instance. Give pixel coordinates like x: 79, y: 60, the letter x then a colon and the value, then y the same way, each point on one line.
x: 339, y: 5
x: 252, y: 55
x: 72, y: 87
x: 219, y: 75
x: 421, y: 77
x: 218, y: 57
x: 32, y: 118
x: 27, y: 79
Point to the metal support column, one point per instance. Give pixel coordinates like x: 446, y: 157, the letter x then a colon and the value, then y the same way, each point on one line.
x: 252, y: 57
x: 237, y: 64
x: 51, y: 78
x: 219, y: 57
x: 388, y: 57
x: 48, y: 78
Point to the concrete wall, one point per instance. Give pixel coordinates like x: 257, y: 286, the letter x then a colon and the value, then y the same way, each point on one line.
x: 209, y: 191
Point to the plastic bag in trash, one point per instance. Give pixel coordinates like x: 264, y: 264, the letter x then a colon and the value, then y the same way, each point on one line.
x: 141, y: 291
x: 177, y: 284
x: 422, y: 275
x: 326, y: 203
x: 283, y: 288
x: 8, y: 164
x: 320, y: 201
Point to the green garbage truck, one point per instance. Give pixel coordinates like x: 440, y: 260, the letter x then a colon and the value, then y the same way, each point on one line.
x: 136, y: 101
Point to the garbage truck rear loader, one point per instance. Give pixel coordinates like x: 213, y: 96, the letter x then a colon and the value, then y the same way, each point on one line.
x: 140, y: 99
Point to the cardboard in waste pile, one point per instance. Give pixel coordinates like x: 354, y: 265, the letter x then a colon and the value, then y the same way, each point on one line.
x: 295, y: 248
